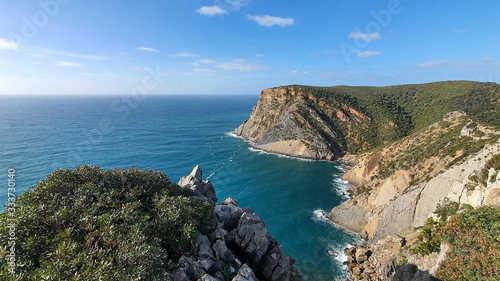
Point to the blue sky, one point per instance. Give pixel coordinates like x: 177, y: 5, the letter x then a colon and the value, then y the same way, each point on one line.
x: 241, y: 46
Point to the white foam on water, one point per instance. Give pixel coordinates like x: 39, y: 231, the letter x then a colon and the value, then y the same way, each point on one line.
x: 232, y: 134
x: 260, y: 151
x: 341, y: 187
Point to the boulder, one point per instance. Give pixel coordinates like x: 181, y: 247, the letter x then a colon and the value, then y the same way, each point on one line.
x: 227, y: 214
x: 201, y: 189
x: 203, y: 249
x: 362, y: 255
x: 222, y: 252
x: 252, y: 237
x: 208, y: 277
x: 245, y: 274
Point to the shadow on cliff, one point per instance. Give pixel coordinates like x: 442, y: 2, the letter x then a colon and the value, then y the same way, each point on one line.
x: 409, y: 272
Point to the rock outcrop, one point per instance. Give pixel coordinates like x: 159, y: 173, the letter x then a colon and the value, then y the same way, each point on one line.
x: 201, y: 189
x: 238, y: 246
x: 284, y: 122
x: 402, y: 185
x: 394, y: 200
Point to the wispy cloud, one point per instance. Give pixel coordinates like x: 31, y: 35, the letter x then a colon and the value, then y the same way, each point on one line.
x: 147, y: 49
x: 364, y: 36
x: 445, y: 63
x: 73, y: 55
x: 97, y: 74
x: 241, y: 66
x: 236, y: 4
x: 299, y: 73
x: 8, y: 45
x: 207, y: 61
x: 211, y: 11
x: 140, y: 68
x: 37, y: 56
x: 68, y: 64
x: 259, y: 55
x: 184, y: 55
x: 366, y: 54
x: 269, y: 21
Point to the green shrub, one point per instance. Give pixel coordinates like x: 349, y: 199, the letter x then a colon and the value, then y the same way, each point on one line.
x: 90, y: 224
x: 430, y: 241
x: 474, y: 237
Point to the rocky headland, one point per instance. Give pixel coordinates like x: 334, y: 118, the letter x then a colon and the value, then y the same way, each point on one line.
x: 416, y: 154
x: 236, y: 247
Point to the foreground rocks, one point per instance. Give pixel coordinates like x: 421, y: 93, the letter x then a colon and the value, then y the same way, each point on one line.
x: 238, y: 246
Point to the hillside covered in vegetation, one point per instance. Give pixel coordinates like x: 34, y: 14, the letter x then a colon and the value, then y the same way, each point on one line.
x: 328, y: 122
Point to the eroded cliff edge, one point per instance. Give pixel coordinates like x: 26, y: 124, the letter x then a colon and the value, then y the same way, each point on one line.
x: 325, y: 123
x: 448, y: 167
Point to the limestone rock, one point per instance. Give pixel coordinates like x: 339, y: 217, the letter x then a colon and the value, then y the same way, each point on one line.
x: 201, y: 189
x: 208, y: 277
x: 351, y: 217
x: 237, y: 235
x: 245, y: 274
x: 203, y: 249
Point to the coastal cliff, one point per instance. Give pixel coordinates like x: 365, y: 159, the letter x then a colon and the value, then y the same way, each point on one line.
x: 406, y: 187
x: 417, y: 155
x: 326, y: 123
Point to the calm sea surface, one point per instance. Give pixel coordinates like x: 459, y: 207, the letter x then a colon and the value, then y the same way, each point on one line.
x: 173, y: 134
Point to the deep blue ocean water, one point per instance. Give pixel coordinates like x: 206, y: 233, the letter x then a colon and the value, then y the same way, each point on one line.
x: 173, y: 134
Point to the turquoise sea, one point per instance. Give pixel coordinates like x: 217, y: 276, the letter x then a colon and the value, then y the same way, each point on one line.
x: 173, y: 134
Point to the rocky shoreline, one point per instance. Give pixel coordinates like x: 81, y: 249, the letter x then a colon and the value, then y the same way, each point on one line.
x: 236, y: 247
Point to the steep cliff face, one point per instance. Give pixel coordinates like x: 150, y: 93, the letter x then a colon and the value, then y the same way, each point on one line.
x: 402, y: 185
x: 328, y: 122
x: 449, y: 165
x: 290, y: 121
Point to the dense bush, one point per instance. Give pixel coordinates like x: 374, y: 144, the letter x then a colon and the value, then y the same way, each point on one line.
x: 474, y: 237
x: 90, y: 224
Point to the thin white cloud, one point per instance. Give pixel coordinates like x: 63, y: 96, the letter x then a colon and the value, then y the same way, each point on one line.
x: 37, y: 56
x: 205, y: 71
x: 236, y: 4
x: 184, y: 55
x: 140, y: 68
x: 259, y: 55
x: 147, y: 49
x: 194, y: 64
x: 8, y: 45
x: 269, y: 21
x: 69, y: 64
x: 299, y: 73
x: 445, y: 63
x: 73, y: 55
x: 211, y: 11
x: 207, y: 61
x: 241, y: 66
x: 366, y: 54
x: 97, y: 74
x: 365, y: 36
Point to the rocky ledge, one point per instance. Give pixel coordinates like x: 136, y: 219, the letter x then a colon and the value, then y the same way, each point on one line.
x: 237, y: 247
